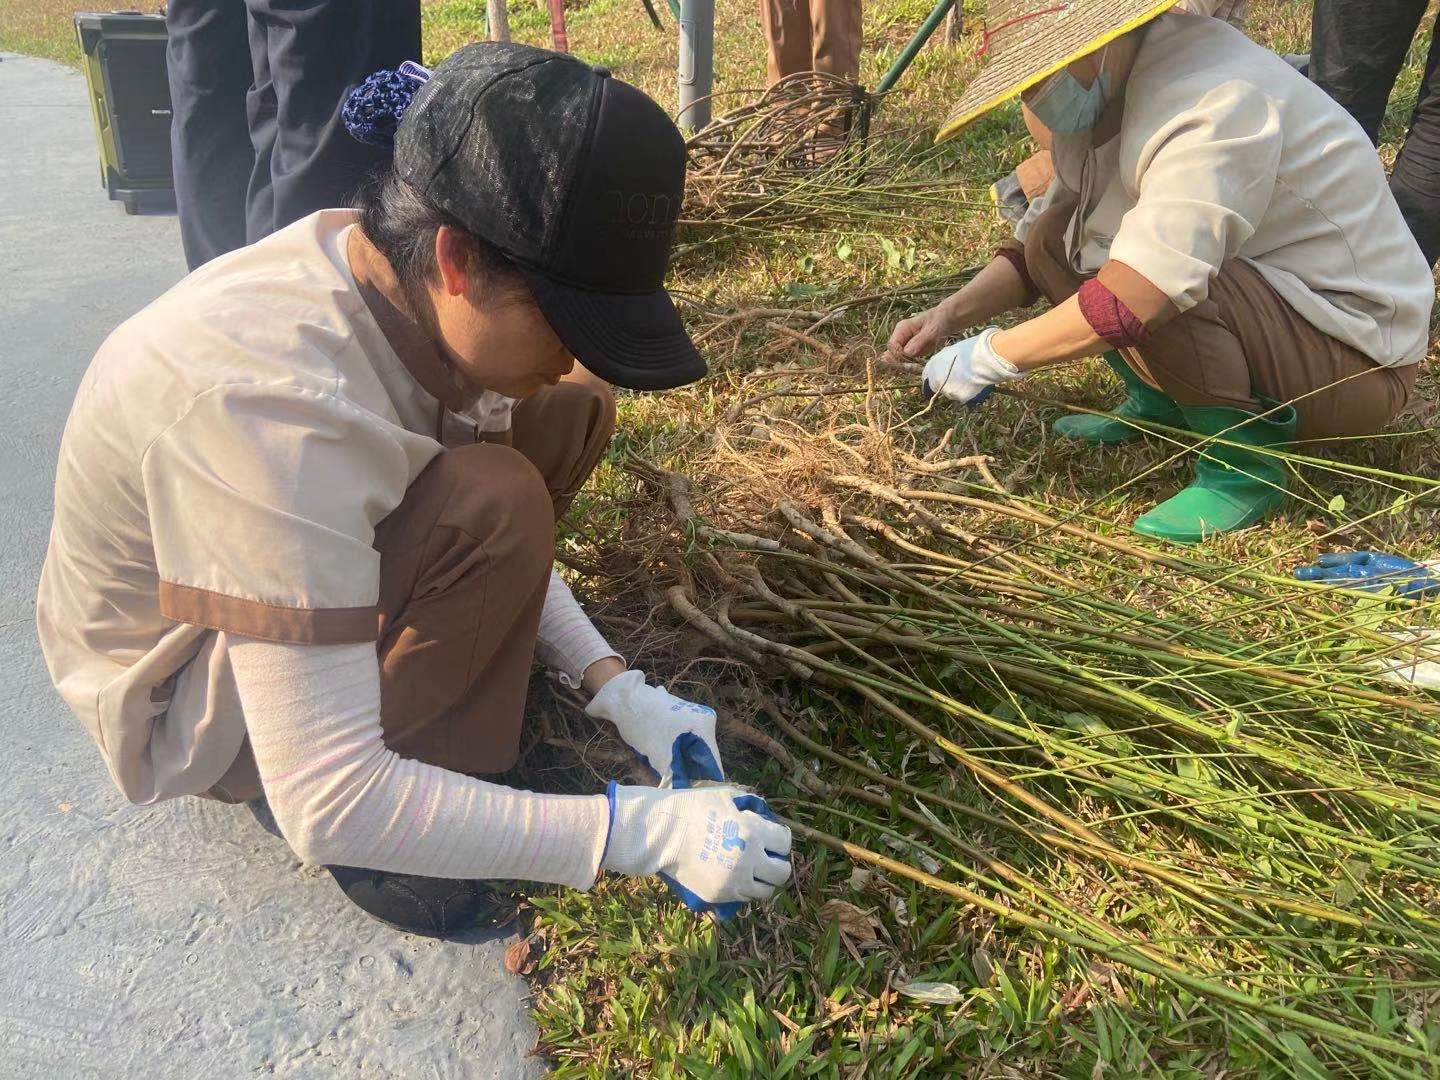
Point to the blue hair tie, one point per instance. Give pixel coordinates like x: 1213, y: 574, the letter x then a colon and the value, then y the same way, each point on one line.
x: 373, y: 110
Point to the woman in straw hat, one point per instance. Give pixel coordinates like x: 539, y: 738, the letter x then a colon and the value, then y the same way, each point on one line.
x: 1216, y: 222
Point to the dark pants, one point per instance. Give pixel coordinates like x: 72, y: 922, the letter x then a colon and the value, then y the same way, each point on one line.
x: 1356, y: 51
x: 256, y: 88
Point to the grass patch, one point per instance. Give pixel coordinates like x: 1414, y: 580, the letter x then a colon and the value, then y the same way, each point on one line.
x: 45, y: 28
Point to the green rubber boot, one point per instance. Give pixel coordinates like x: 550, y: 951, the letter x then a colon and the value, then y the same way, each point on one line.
x: 1142, y: 402
x: 1234, y: 485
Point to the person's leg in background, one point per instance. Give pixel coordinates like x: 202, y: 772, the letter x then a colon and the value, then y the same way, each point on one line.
x: 209, y: 71
x: 836, y: 28
x: 1338, y: 392
x: 1221, y: 366
x: 260, y: 109
x: 1357, y: 48
x: 1239, y: 345
x: 787, y: 37
x: 316, y: 53
x: 1199, y: 362
x: 1415, y: 179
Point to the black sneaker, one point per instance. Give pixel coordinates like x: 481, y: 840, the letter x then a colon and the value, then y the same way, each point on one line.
x: 433, y: 907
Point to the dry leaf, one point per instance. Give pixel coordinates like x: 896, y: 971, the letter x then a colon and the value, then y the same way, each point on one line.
x: 790, y: 1025
x: 984, y: 969
x: 932, y: 993
x: 522, y: 955
x: 836, y: 1012
x: 1075, y: 997
x: 900, y: 911
x: 856, y: 925
x: 859, y: 878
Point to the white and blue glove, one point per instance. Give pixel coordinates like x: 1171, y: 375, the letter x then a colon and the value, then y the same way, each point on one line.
x: 717, y: 848
x: 968, y: 370
x: 674, y: 736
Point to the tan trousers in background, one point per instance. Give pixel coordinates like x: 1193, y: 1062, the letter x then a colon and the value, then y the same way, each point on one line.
x: 464, y: 562
x: 812, y: 35
x: 1243, y: 340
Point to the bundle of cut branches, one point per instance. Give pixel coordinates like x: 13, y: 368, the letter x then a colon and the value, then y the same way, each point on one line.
x: 801, y: 153
x: 797, y: 123
x: 1029, y: 712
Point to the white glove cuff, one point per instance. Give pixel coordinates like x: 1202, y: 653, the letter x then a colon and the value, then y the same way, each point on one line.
x: 616, y: 700
x: 990, y: 365
x: 631, y: 848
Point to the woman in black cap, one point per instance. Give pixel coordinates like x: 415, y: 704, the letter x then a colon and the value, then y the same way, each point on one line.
x: 305, y: 507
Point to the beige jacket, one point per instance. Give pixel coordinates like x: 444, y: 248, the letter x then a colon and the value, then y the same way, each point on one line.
x: 228, y: 455
x: 1224, y: 151
x: 1232, y: 11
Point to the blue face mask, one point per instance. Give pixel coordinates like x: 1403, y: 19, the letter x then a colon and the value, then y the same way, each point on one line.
x: 1066, y: 107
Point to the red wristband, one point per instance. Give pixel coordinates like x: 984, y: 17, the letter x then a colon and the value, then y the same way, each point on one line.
x: 1108, y: 316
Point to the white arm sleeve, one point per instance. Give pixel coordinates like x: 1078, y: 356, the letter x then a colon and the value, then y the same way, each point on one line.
x: 341, y: 797
x: 568, y: 641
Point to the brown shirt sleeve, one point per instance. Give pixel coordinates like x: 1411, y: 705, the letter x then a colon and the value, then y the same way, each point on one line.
x: 1144, y: 300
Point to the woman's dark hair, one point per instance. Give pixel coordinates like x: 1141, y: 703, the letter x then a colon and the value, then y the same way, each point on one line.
x: 401, y: 222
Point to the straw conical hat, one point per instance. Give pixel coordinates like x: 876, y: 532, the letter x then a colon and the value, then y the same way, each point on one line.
x: 1028, y: 40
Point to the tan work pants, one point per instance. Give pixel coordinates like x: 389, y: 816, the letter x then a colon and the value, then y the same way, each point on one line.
x: 812, y: 35
x: 1242, y: 341
x: 464, y: 563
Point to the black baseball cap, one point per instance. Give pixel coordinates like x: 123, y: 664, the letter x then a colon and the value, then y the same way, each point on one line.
x: 578, y: 178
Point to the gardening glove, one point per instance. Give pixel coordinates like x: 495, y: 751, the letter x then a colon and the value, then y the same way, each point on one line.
x: 716, y: 848
x: 1415, y: 663
x: 966, y: 371
x: 674, y: 736
x: 1372, y: 571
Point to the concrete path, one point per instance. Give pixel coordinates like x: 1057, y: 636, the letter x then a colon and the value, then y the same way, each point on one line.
x: 180, y: 940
